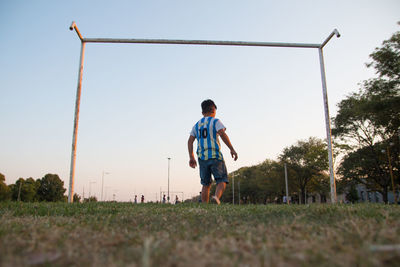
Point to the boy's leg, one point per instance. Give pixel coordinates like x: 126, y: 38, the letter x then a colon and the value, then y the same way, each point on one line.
x: 205, y: 193
x: 220, y: 173
x: 205, y: 176
x: 220, y: 189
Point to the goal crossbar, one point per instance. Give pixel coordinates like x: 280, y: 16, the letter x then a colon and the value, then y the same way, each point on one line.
x: 198, y: 42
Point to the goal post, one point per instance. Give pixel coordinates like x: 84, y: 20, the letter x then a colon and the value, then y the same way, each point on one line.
x: 204, y: 42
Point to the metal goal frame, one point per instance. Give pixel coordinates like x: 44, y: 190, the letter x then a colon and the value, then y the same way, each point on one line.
x: 204, y: 42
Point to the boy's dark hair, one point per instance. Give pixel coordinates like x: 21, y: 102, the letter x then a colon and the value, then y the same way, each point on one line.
x: 207, y: 105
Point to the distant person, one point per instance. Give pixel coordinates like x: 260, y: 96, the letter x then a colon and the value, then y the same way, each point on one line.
x: 200, y: 197
x: 164, y: 199
x: 135, y: 199
x: 176, y: 199
x: 210, y: 158
x: 142, y: 199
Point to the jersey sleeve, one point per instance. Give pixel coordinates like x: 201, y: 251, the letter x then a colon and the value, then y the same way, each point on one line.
x: 219, y: 125
x: 193, y: 132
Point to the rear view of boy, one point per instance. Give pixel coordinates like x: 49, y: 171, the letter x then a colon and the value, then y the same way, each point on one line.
x: 210, y: 158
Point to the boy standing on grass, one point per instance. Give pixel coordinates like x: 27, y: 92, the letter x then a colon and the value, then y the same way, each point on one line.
x: 210, y: 158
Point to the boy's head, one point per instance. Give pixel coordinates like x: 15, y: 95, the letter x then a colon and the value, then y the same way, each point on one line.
x: 208, y: 106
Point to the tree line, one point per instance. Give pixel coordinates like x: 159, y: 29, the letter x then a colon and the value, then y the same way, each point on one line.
x: 367, y: 126
x: 49, y: 188
x: 306, y: 164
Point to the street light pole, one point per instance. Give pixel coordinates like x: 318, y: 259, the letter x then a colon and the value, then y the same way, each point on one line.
x: 233, y: 189
x: 102, y: 184
x: 19, y: 190
x: 239, y: 191
x: 169, y: 159
x: 105, y: 195
x: 287, y: 189
x: 391, y: 175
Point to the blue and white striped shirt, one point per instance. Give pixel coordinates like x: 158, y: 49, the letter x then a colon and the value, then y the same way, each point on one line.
x: 205, y: 131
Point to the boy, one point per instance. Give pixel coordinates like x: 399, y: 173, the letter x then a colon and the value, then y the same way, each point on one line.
x: 210, y: 158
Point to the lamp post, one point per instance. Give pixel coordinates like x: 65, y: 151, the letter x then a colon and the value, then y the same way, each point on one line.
x: 286, y: 183
x: 233, y: 189
x: 105, y: 195
x: 391, y: 171
x: 239, y: 191
x: 169, y: 159
x: 19, y: 190
x: 102, y: 184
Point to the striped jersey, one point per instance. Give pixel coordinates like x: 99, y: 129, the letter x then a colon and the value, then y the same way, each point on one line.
x: 205, y: 131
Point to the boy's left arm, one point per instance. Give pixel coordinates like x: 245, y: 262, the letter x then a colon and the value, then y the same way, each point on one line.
x: 227, y: 142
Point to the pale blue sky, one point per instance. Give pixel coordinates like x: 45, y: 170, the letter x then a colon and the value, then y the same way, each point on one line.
x: 139, y: 102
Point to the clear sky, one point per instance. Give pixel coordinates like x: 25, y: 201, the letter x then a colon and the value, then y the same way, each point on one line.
x: 139, y: 102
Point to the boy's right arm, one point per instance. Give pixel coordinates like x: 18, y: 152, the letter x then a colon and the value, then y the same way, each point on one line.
x: 192, y: 160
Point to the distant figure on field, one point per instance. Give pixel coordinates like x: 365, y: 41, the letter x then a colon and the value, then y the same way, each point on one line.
x: 135, y: 199
x: 200, y: 197
x: 176, y: 199
x: 210, y: 158
x: 142, y: 200
x: 164, y: 199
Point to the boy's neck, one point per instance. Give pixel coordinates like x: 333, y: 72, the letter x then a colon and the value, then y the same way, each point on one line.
x: 209, y: 115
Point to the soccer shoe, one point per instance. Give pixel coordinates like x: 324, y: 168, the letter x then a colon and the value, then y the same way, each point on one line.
x: 216, y: 200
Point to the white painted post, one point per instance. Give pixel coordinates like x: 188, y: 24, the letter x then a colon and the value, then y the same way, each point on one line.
x: 76, y: 122
x: 328, y: 128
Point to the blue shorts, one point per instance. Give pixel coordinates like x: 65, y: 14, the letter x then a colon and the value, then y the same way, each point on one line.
x: 215, y: 167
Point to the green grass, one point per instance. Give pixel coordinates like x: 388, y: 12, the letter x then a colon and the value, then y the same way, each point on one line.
x: 122, y: 234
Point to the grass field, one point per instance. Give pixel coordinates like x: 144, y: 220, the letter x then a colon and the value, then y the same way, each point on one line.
x: 123, y: 234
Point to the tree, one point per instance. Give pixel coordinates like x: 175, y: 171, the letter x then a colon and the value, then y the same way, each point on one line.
x: 307, y: 160
x: 5, y: 192
x: 25, y: 190
x: 352, y: 195
x: 253, y: 184
x: 262, y: 183
x: 51, y: 188
x: 320, y: 184
x: 368, y: 166
x: 91, y: 199
x: 273, y: 182
x: 368, y: 121
x: 76, y: 198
